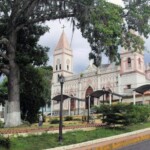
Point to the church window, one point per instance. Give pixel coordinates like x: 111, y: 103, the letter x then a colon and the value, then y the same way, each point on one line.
x: 72, y: 104
x: 129, y: 86
x: 139, y: 62
x: 129, y: 62
x: 60, y: 66
x: 56, y: 67
x: 67, y: 67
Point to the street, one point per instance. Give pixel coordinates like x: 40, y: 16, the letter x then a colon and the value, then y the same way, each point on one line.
x: 145, y: 145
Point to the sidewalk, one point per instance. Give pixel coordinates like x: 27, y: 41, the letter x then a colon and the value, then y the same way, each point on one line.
x: 39, y: 130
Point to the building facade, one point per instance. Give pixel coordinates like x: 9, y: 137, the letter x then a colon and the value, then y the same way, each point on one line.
x: 122, y: 79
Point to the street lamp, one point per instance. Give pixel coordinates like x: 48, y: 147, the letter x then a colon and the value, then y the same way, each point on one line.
x: 103, y: 94
x: 103, y: 100
x: 61, y: 79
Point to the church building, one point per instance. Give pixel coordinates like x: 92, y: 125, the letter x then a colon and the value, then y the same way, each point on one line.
x: 121, y: 79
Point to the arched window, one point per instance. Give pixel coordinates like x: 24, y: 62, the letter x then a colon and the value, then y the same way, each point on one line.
x: 60, y: 66
x: 72, y: 104
x: 129, y: 62
x: 67, y: 67
x: 139, y: 62
x: 88, y: 92
x: 67, y: 62
x: 56, y: 67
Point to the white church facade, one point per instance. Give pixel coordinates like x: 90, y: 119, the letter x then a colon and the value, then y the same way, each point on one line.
x: 122, y: 79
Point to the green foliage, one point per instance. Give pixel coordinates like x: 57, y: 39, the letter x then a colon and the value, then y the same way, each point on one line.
x: 107, y: 26
x: 3, y: 91
x: 103, y: 30
x: 35, y: 97
x: 28, y: 49
x: 1, y: 124
x: 68, y: 118
x: 54, y: 121
x: 124, y: 114
x: 4, y: 142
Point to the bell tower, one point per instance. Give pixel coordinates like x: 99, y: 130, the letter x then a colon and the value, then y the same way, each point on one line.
x: 132, y: 70
x: 63, y: 58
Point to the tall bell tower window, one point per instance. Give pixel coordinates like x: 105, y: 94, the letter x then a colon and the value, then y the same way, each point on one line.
x: 67, y: 67
x: 60, y: 66
x: 139, y: 62
x: 129, y: 62
x: 67, y: 63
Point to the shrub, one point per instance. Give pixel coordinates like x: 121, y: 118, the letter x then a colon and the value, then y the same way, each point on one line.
x: 68, y: 118
x: 4, y: 142
x: 1, y: 124
x: 124, y: 114
x: 54, y: 121
x: 77, y: 119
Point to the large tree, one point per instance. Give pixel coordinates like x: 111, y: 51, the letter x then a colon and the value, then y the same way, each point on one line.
x: 21, y: 14
x: 110, y: 26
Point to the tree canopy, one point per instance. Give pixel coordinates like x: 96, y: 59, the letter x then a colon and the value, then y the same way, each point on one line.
x: 108, y: 26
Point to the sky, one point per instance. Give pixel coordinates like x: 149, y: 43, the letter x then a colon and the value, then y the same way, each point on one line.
x: 79, y: 45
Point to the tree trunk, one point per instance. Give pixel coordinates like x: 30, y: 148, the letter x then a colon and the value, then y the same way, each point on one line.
x: 13, y: 117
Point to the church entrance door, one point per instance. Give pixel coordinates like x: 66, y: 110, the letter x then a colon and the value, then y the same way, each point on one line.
x: 88, y: 92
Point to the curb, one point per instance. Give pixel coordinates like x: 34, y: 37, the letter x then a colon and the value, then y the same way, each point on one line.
x: 110, y: 143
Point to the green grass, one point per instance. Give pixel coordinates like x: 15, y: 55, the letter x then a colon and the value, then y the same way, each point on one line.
x: 44, y: 141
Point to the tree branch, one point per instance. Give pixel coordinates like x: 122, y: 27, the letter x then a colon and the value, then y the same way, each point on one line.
x: 3, y: 55
x: 4, y: 69
x: 4, y: 41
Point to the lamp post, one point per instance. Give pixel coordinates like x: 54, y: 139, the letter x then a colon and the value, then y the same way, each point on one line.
x: 103, y: 101
x: 61, y: 80
x: 103, y: 94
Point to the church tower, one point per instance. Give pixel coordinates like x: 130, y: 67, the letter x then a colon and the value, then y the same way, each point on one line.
x: 63, y: 58
x: 132, y: 70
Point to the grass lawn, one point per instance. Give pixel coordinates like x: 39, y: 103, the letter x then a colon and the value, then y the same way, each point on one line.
x: 35, y: 142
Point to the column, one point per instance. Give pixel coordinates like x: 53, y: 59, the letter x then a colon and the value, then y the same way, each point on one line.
x: 119, y: 99
x: 134, y: 102
x: 143, y: 98
x: 52, y: 108
x: 69, y: 99
x: 88, y: 109
x: 79, y: 95
x: 110, y: 99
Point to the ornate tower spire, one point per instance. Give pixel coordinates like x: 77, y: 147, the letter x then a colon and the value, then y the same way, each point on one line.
x: 63, y: 58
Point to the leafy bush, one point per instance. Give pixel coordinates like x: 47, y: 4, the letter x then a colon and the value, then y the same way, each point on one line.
x: 124, y: 114
x: 68, y: 118
x: 77, y: 119
x: 54, y: 121
x: 84, y: 118
x: 1, y: 124
x: 4, y: 142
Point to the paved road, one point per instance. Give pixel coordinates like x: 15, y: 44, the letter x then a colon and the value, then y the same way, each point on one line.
x: 145, y: 145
